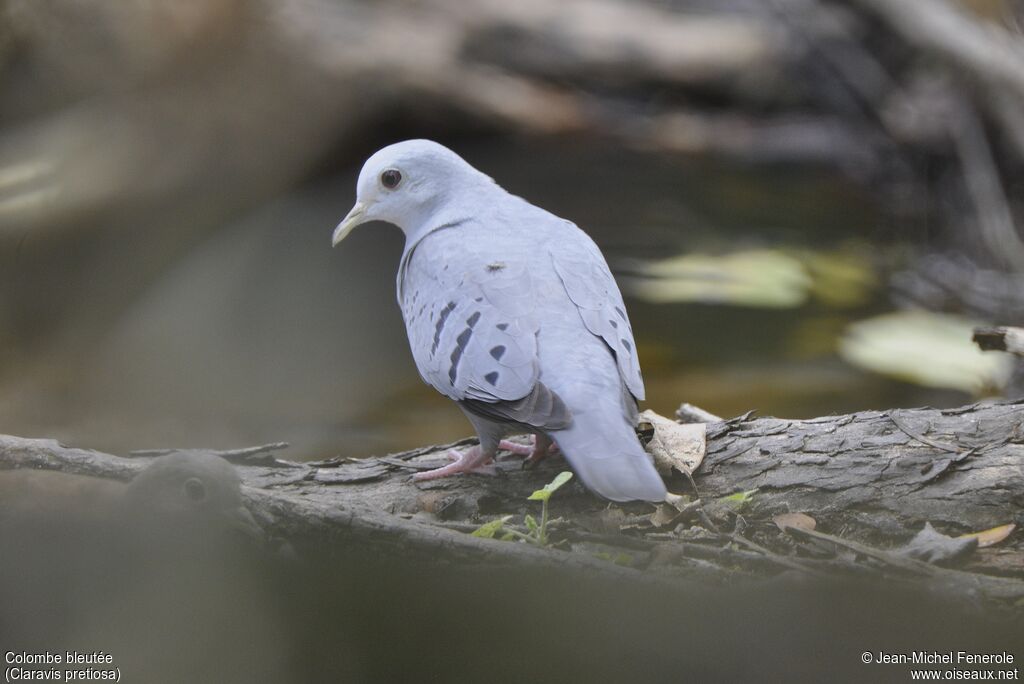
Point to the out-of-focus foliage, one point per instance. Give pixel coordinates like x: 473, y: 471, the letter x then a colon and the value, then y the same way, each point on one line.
x: 925, y: 348
x: 770, y: 278
x: 765, y: 278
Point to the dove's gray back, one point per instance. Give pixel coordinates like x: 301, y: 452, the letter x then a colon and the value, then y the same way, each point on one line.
x: 514, y: 313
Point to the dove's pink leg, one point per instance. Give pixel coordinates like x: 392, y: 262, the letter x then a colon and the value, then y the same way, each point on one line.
x: 472, y: 460
x: 535, y: 453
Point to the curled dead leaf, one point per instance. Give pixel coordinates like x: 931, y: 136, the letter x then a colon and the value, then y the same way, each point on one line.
x: 800, y: 521
x: 671, y: 511
x: 664, y: 515
x: 991, y: 536
x: 675, y: 445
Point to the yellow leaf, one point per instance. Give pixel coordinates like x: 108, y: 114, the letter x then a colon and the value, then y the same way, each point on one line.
x: 992, y: 536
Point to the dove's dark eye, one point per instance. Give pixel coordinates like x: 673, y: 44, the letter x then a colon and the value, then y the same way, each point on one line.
x: 391, y: 178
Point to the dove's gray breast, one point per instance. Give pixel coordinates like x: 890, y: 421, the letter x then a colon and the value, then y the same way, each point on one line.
x: 514, y: 314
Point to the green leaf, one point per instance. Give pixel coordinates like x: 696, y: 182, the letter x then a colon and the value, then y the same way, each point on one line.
x: 549, y: 488
x: 769, y: 278
x: 739, y: 499
x: 488, y: 530
x: 762, y: 277
x: 531, y: 523
x: 842, y: 278
x: 619, y: 559
x: 508, y: 536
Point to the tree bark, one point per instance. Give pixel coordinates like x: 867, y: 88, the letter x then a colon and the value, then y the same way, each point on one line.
x: 879, y: 472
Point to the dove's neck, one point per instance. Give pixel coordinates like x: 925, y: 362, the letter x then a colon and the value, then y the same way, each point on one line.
x: 472, y: 200
x: 445, y: 217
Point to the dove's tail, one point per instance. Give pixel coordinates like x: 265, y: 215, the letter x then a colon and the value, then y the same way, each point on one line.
x: 606, y: 454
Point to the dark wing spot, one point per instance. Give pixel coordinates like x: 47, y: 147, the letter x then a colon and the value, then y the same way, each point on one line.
x: 479, y: 299
x: 461, y: 341
x: 627, y: 345
x: 471, y: 321
x: 613, y: 323
x: 495, y: 266
x: 492, y: 377
x: 622, y: 314
x: 497, y: 353
x: 453, y: 370
x: 440, y: 325
x: 502, y: 326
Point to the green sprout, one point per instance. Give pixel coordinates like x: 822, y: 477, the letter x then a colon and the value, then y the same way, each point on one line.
x: 536, y: 533
x: 623, y: 559
x: 738, y: 500
x: 488, y: 530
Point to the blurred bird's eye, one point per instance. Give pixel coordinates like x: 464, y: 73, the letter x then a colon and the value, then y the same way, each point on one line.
x: 195, y: 490
x: 391, y: 178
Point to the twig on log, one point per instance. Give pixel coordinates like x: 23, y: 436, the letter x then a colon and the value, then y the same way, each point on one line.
x: 790, y: 563
x: 996, y: 587
x: 688, y: 413
x: 894, y: 417
x: 254, y: 455
x: 1000, y: 339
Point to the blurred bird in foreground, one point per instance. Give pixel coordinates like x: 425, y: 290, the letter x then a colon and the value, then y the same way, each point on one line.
x: 172, y: 558
x: 187, y: 495
x: 513, y: 313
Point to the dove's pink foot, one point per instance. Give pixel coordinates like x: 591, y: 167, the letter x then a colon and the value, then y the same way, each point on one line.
x: 471, y: 460
x: 542, y: 446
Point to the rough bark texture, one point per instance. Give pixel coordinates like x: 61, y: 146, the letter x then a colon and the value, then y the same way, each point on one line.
x: 872, y: 477
x: 884, y: 472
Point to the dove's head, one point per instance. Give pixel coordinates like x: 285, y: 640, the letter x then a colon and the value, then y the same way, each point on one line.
x: 408, y: 184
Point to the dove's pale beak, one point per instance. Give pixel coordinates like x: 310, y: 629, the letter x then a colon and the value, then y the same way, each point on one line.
x: 353, y: 219
x: 241, y: 522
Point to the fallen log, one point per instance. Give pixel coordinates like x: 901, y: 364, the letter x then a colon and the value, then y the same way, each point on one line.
x: 873, y: 477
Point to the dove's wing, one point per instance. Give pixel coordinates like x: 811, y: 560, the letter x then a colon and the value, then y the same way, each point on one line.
x: 473, y: 332
x: 591, y: 287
